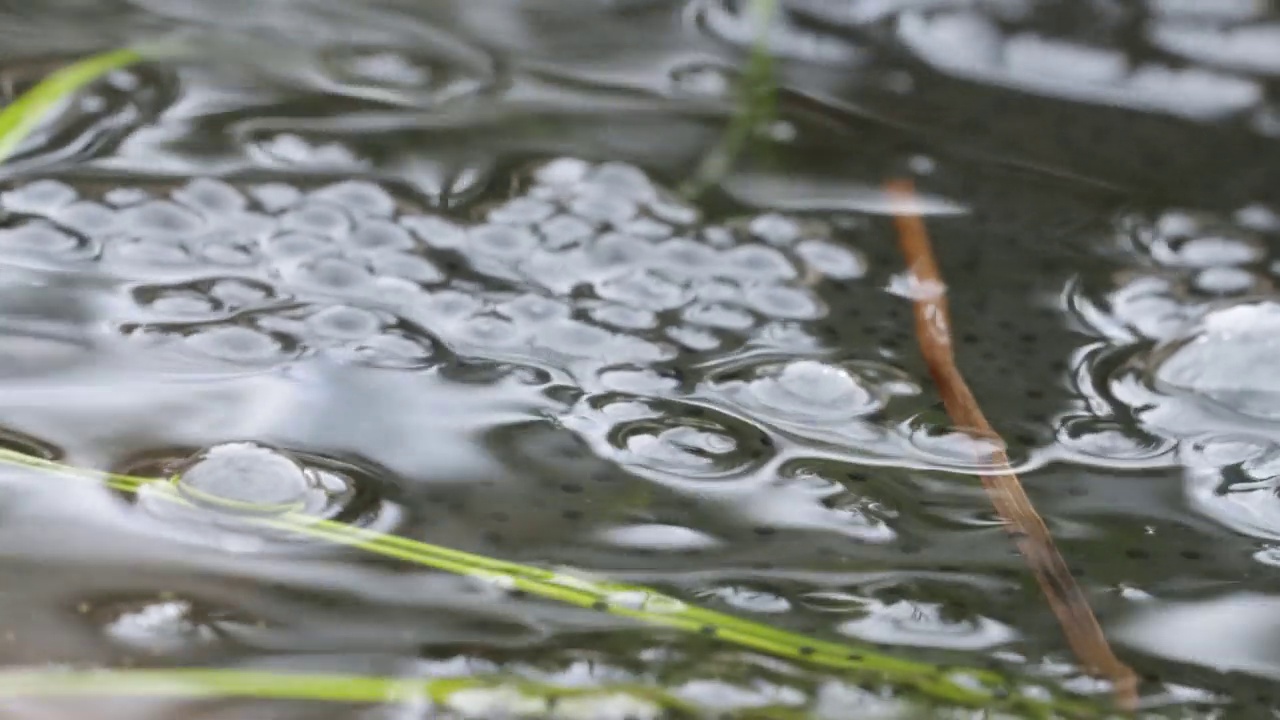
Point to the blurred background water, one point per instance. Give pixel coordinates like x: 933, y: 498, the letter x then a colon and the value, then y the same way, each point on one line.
x: 436, y: 252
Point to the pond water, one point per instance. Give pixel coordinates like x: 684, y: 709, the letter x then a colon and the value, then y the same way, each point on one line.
x: 429, y: 270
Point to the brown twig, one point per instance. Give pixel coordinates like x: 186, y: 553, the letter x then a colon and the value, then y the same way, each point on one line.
x: 1028, y: 530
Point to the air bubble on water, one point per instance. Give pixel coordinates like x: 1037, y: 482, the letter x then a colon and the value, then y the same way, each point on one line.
x: 344, y: 323
x: 318, y: 219
x: 1224, y: 281
x: 694, y: 338
x: 488, y: 331
x: 435, y: 231
x: 781, y: 301
x: 502, y: 241
x: 521, y: 211
x: 647, y: 228
x: 1235, y: 481
x: 380, y: 235
x: 38, y: 238
x: 564, y: 231
x: 162, y: 626
x: 296, y: 245
x: 226, y: 248
x: 624, y: 317
x: 1110, y: 441
x: 801, y: 390
x: 747, y: 599
x: 682, y: 256
x: 125, y: 196
x: 702, y: 80
x: 160, y: 218
x: 562, y: 172
x: 654, y: 536
x: 210, y: 196
x: 244, y: 474
x: 832, y: 260
x: 38, y: 197
x: 236, y: 344
x: 357, y: 196
x: 1195, y: 240
x: 330, y: 274
x: 1229, y: 359
x: 533, y: 309
x: 643, y: 289
x: 275, y: 196
x: 410, y: 267
x: 718, y: 315
x: 90, y: 218
x: 757, y: 262
x: 775, y: 229
x: 923, y: 624
x: 601, y: 207
x: 687, y: 447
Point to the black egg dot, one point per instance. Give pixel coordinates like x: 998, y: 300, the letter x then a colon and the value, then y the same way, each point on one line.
x: 856, y: 477
x: 764, y: 530
x: 855, y: 657
x: 499, y: 516
x: 1191, y: 554
x: 571, y: 514
x: 1136, y: 553
x: 806, y: 650
x: 572, y: 488
x: 707, y: 630
x: 494, y: 538
x: 600, y: 605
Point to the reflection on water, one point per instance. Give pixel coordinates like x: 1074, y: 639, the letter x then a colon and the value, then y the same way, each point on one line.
x: 423, y: 268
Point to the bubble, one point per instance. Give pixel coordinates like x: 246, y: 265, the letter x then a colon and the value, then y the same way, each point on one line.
x: 43, y: 240
x: 686, y: 257
x: 719, y: 315
x: 295, y: 245
x: 91, y: 219
x: 564, y: 231
x: 317, y: 219
x: 357, y: 196
x: 504, y: 241
x: 1197, y: 240
x: 748, y: 599
x: 831, y: 260
x: 775, y: 229
x: 1110, y: 441
x: 702, y: 80
x: 212, y: 197
x: 654, y: 536
x: 38, y: 197
x: 344, y: 323
x: 396, y: 350
x: 237, y: 344
x: 807, y: 390
x: 410, y: 267
x: 380, y: 235
x: 489, y: 331
x: 231, y: 488
x: 330, y: 274
x: 941, y: 445
x: 274, y: 197
x: 780, y: 301
x: 603, y: 207
x: 533, y: 309
x: 1225, y: 281
x: 624, y: 317
x: 694, y: 338
x: 682, y: 441
x: 435, y: 231
x: 160, y: 218
x: 159, y: 626
x: 1228, y: 359
x: 643, y: 289
x: 613, y: 251
x: 757, y: 262
x: 925, y: 624
x: 245, y: 476
x: 522, y: 211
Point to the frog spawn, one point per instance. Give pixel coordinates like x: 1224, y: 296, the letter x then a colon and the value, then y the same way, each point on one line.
x: 216, y: 494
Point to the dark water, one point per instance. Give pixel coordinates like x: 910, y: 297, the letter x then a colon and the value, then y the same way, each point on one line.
x: 434, y: 250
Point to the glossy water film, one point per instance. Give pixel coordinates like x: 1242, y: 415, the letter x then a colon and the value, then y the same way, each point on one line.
x: 562, y: 359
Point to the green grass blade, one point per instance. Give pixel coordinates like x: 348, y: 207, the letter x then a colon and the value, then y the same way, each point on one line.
x: 957, y: 685
x: 25, y: 114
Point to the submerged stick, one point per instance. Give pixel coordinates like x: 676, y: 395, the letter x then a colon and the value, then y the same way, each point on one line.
x: 1025, y: 526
